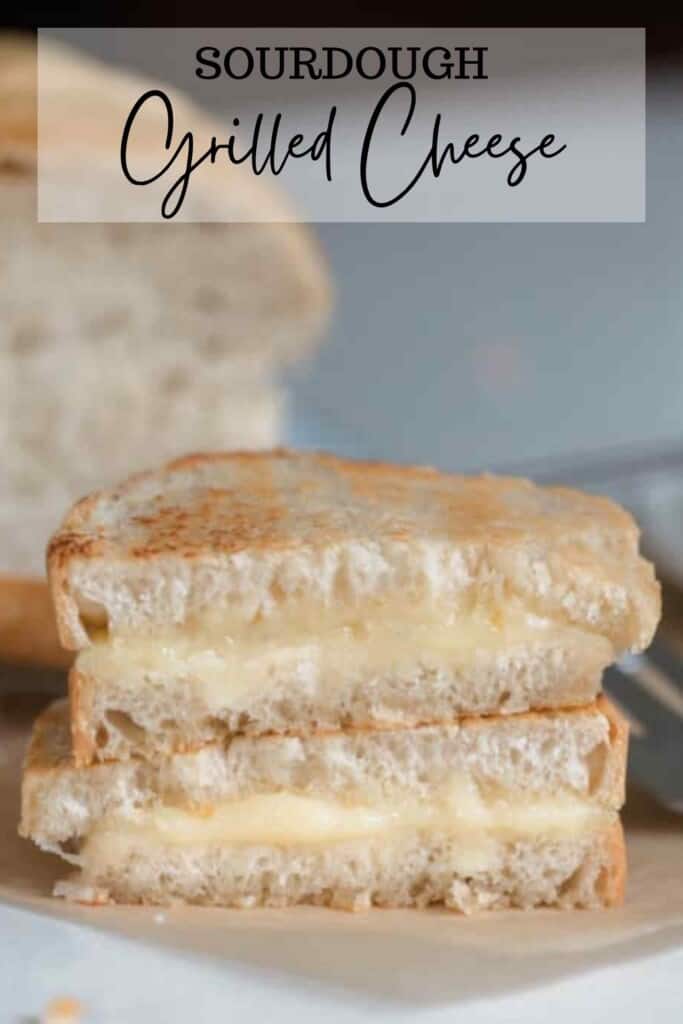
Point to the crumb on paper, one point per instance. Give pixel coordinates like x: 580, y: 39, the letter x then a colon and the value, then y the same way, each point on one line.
x: 64, y: 1010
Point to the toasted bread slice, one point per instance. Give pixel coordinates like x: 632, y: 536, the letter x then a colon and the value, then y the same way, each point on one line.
x: 247, y: 538
x: 506, y: 811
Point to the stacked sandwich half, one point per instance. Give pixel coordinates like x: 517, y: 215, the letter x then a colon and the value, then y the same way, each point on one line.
x: 305, y: 679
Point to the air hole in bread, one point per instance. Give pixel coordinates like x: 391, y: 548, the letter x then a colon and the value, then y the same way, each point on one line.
x: 71, y: 846
x: 70, y: 850
x: 92, y: 615
x: 126, y: 726
x: 571, y: 883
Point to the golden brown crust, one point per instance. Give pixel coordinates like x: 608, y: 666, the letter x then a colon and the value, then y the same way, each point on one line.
x: 618, y: 722
x: 250, y: 510
x: 614, y: 764
x: 218, y: 505
x: 612, y: 882
x: 80, y: 701
x: 65, y: 610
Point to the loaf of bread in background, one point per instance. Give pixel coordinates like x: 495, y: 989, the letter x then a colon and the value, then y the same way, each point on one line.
x: 122, y: 344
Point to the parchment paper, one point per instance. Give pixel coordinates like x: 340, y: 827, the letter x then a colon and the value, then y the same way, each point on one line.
x: 407, y: 957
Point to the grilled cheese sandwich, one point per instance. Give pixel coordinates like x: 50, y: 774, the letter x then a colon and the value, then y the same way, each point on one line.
x: 300, y: 678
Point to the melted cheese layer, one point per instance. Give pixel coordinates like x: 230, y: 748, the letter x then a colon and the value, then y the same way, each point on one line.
x: 228, y: 660
x: 290, y: 818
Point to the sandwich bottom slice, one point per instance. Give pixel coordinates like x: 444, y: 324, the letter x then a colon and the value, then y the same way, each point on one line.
x: 515, y: 811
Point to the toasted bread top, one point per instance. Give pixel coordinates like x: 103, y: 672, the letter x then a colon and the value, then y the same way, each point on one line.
x: 226, y: 502
x: 254, y: 531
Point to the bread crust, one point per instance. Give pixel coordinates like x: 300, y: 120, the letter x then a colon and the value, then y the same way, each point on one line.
x: 612, y: 883
x: 257, y: 527
x: 246, y: 507
x: 80, y: 704
x: 619, y: 738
